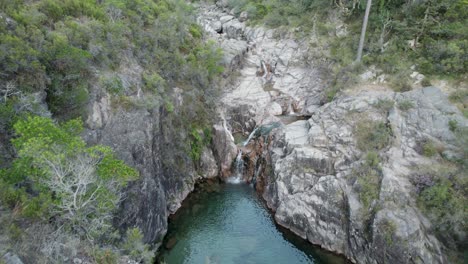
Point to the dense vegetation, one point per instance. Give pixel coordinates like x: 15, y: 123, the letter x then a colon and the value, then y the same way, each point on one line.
x: 430, y: 35
x: 59, y: 184
x: 55, y: 55
x: 437, y: 28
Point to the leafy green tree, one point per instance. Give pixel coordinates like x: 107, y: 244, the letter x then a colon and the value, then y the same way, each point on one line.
x: 77, y: 186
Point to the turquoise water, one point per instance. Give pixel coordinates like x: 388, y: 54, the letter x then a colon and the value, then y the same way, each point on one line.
x: 234, y: 226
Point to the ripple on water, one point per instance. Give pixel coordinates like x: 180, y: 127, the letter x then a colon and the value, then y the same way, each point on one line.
x: 233, y: 226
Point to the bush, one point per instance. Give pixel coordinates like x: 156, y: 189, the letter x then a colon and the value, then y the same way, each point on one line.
x: 405, y: 105
x: 105, y: 256
x: 154, y: 83
x: 372, y: 135
x: 385, y: 105
x: 199, y: 138
x: 426, y: 82
x: 460, y: 99
x: 453, y: 125
x: 400, y: 83
x: 445, y: 205
x: 429, y: 148
x: 388, y: 228
x: 112, y: 85
x: 78, y: 186
x: 136, y: 248
x: 368, y: 181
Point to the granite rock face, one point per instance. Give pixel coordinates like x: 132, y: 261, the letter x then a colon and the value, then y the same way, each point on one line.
x: 312, y: 191
x: 311, y: 186
x: 145, y: 141
x: 145, y: 136
x: 270, y: 69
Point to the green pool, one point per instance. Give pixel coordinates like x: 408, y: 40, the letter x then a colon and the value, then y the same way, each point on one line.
x: 234, y: 226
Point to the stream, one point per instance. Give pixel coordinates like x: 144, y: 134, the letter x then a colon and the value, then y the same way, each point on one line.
x: 232, y: 225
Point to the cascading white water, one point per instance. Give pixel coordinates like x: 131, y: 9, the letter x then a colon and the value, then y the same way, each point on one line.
x: 239, y: 163
x: 291, y: 109
x: 250, y: 137
x: 239, y: 170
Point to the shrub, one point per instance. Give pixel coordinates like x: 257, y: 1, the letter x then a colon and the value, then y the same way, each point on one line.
x: 369, y: 188
x: 429, y: 148
x: 7, y: 115
x: 372, y: 159
x: 388, y: 228
x: 195, y: 31
x: 112, y: 85
x: 400, y: 83
x: 372, y: 135
x: 368, y: 182
x: 426, y: 82
x: 444, y: 204
x: 345, y: 77
x: 154, y: 83
x: 460, y: 99
x: 136, y: 248
x: 67, y: 101
x: 78, y: 186
x: 105, y: 256
x: 199, y: 138
x: 405, y: 105
x: 385, y: 105
x: 453, y: 125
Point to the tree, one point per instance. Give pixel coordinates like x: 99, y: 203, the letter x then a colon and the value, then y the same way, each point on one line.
x: 77, y: 186
x: 363, y: 31
x: 9, y: 90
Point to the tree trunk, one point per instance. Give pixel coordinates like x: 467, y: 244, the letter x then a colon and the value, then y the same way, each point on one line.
x: 363, y: 31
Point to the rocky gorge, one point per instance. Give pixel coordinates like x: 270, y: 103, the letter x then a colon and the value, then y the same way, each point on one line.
x: 307, y: 169
x: 346, y: 174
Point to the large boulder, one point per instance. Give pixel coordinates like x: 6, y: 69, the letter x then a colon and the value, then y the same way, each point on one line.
x: 225, y: 149
x: 209, y: 167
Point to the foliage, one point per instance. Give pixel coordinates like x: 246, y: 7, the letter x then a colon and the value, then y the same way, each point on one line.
x: 372, y: 135
x: 63, y: 179
x: 429, y: 149
x: 199, y: 138
x: 431, y: 34
x: 453, y: 125
x: 112, y: 84
x: 405, y: 105
x: 136, y: 248
x: 57, y: 45
x: 105, y: 256
x: 460, y: 99
x: 368, y: 181
x: 445, y: 205
x: 388, y: 229
x: 400, y: 82
x: 385, y: 105
x: 69, y: 50
x: 345, y: 77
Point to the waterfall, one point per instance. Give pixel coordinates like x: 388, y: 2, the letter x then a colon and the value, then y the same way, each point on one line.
x: 239, y: 170
x: 291, y: 109
x: 250, y: 137
x: 257, y: 172
x: 226, y: 128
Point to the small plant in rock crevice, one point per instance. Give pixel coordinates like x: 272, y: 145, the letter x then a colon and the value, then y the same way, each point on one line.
x: 372, y: 135
x: 405, y: 105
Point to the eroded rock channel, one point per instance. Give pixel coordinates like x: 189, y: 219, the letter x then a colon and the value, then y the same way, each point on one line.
x: 306, y: 158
